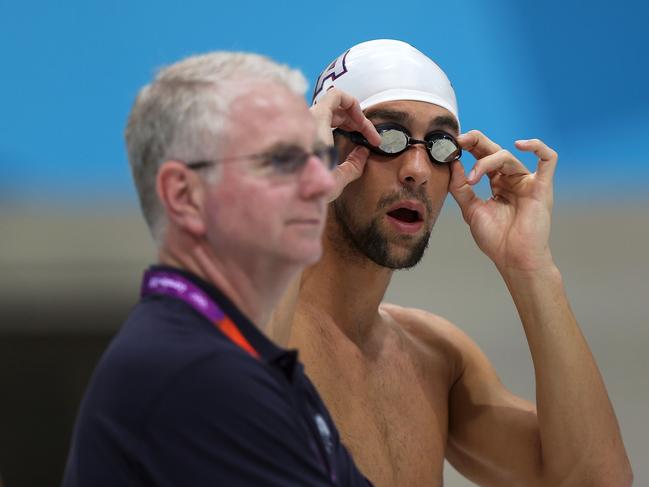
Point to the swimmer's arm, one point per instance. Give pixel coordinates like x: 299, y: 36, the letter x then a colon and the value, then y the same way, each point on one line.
x: 578, y: 440
x: 571, y: 437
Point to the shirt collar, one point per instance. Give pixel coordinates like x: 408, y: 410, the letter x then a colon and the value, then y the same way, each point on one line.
x: 271, y: 353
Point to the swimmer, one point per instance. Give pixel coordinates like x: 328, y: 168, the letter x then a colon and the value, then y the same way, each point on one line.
x: 406, y: 387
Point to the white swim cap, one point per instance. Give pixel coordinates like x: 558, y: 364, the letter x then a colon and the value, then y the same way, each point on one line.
x: 387, y: 70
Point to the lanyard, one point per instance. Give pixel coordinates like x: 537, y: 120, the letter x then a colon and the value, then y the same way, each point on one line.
x: 169, y: 283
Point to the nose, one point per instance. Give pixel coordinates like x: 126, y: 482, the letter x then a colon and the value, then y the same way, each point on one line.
x: 316, y: 180
x: 415, y: 167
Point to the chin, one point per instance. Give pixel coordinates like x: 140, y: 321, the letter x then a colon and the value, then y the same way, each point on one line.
x: 306, y: 255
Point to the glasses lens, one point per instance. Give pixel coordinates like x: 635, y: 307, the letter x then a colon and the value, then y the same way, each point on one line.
x: 393, y: 141
x: 291, y: 160
x: 288, y: 160
x: 328, y: 156
x: 443, y: 150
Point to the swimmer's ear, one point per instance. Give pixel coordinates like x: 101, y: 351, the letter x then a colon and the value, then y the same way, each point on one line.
x: 182, y: 195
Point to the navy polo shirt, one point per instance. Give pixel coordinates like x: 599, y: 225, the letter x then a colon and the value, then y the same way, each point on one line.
x: 174, y: 402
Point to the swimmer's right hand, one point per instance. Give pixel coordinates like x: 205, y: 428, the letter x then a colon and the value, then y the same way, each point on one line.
x: 349, y: 170
x: 337, y: 109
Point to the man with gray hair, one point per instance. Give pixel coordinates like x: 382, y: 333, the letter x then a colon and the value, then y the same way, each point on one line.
x: 233, y: 178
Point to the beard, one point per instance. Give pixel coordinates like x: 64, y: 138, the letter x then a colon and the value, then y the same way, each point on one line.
x: 371, y: 242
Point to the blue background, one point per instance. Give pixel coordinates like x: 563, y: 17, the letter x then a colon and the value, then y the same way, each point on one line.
x: 575, y: 74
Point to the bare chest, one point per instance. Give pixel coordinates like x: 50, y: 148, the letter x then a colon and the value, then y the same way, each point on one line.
x: 391, y: 410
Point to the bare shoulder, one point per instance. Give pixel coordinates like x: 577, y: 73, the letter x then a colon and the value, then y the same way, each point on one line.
x: 425, y: 325
x: 434, y: 334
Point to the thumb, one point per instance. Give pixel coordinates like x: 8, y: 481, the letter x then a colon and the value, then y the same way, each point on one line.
x: 349, y: 170
x: 462, y: 191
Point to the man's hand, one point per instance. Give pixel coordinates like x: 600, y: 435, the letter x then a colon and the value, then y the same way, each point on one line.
x: 572, y: 438
x: 513, y: 226
x: 338, y: 109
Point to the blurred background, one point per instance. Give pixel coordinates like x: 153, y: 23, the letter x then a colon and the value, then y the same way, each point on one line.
x: 73, y: 244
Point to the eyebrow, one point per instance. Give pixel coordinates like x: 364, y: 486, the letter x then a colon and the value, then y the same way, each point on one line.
x: 444, y: 121
x: 287, y: 146
x: 278, y: 146
x: 440, y: 122
x: 391, y: 115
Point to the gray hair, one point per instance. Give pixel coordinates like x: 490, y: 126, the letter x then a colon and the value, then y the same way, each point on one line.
x: 183, y: 113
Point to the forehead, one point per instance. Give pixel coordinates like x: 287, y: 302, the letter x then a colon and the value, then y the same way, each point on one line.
x: 267, y: 114
x: 414, y: 115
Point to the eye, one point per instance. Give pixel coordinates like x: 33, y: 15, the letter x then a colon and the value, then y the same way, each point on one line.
x: 287, y: 160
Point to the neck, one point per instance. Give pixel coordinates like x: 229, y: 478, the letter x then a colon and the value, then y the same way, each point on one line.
x: 345, y: 285
x: 254, y: 286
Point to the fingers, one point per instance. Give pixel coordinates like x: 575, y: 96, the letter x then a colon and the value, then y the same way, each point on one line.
x: 352, y: 117
x: 477, y: 144
x: 339, y: 109
x: 502, y: 162
x: 368, y: 130
x: 350, y: 170
x: 492, y: 159
x: 348, y: 115
x: 323, y: 119
x: 547, y: 157
x: 462, y: 192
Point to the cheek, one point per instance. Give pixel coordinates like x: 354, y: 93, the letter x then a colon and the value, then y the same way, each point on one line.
x: 438, y: 187
x: 439, y: 179
x: 357, y: 199
x: 252, y: 212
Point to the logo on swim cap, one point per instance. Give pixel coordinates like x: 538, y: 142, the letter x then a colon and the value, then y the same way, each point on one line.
x: 385, y: 70
x: 335, y: 70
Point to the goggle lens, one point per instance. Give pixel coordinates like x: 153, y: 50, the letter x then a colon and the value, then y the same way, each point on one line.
x: 443, y: 150
x: 442, y: 147
x: 393, y: 141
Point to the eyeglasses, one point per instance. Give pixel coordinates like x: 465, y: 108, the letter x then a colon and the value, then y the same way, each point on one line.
x: 285, y: 160
x: 442, y: 147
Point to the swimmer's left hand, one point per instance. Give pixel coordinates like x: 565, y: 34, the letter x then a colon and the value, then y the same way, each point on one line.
x: 513, y: 226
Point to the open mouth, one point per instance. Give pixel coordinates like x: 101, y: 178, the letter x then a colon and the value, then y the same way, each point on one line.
x: 405, y: 215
